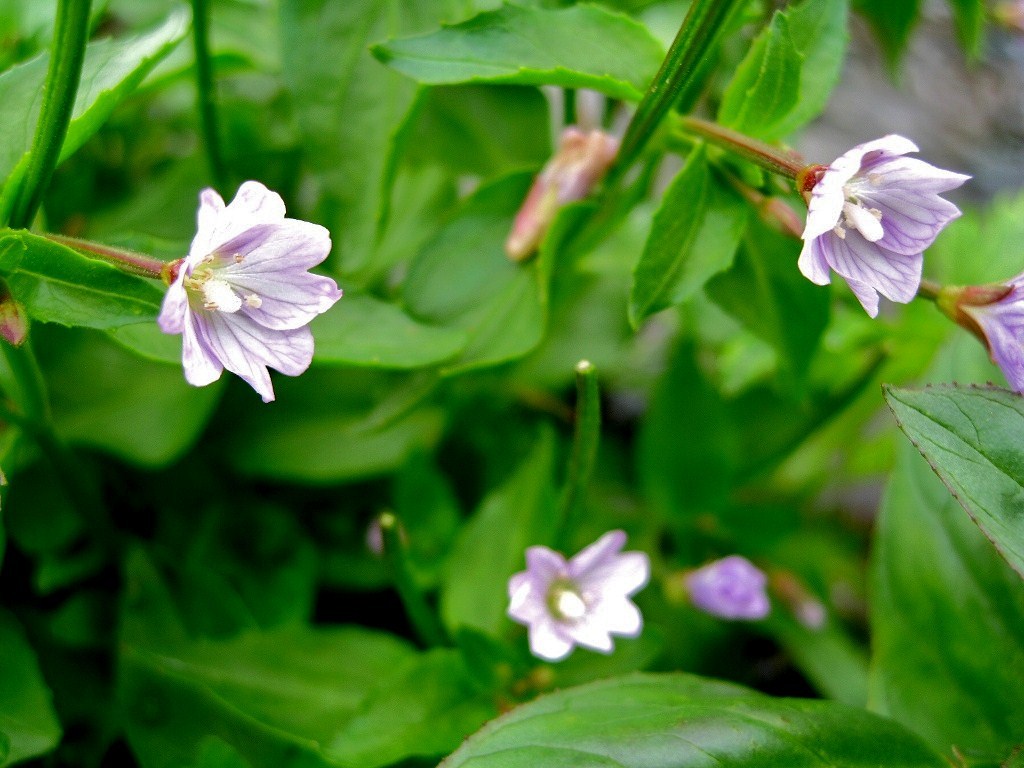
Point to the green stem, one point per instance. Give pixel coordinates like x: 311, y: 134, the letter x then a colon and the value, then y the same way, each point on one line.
x: 679, y: 71
x: 774, y: 159
x: 130, y: 261
x: 205, y: 90
x: 584, y: 447
x: 66, y: 57
x: 929, y: 290
x: 423, y: 619
x: 23, y: 382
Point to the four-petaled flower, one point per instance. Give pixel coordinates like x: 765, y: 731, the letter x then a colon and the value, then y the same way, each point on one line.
x: 580, y: 602
x: 730, y: 588
x: 995, y: 314
x: 871, y: 215
x: 243, y: 297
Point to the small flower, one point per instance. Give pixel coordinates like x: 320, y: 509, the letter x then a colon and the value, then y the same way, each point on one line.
x: 871, y: 215
x: 581, y: 162
x: 580, y: 602
x: 243, y: 297
x: 995, y: 314
x: 730, y: 588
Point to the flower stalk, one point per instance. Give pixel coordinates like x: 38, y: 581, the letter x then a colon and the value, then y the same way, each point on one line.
x: 424, y: 621
x: 586, y: 436
x: 774, y: 159
x: 67, y: 55
x: 680, y: 72
x: 130, y: 261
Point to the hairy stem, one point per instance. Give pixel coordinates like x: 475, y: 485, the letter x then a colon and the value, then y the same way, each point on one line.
x: 66, y: 57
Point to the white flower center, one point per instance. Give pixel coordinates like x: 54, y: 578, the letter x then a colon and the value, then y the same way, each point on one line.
x: 218, y: 295
x: 867, y: 221
x: 565, y: 601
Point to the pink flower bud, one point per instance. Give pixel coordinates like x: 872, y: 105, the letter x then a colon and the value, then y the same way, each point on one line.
x: 581, y: 162
x: 13, y: 322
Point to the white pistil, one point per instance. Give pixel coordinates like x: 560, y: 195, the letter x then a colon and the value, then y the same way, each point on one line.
x: 218, y: 296
x: 867, y: 222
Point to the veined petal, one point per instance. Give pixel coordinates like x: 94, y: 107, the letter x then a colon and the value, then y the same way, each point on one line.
x: 888, y: 172
x: 825, y: 206
x: 253, y: 205
x: 812, y: 262
x: 896, y: 276
x: 291, y: 302
x: 281, y: 246
x: 866, y: 295
x: 1003, y: 326
x: 174, y: 310
x: 911, y: 222
x: 201, y: 364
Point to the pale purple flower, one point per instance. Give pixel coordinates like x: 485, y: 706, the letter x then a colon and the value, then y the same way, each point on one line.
x: 730, y: 588
x: 871, y: 215
x: 582, y: 160
x: 994, y: 313
x: 243, y: 297
x: 580, y: 602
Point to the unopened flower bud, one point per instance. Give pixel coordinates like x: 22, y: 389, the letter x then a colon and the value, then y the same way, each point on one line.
x: 995, y: 314
x: 581, y: 162
x: 730, y: 588
x: 13, y: 321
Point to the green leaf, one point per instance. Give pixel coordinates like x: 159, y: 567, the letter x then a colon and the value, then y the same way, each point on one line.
x: 481, y: 129
x: 766, y: 292
x: 59, y: 285
x: 892, y: 23
x: 695, y: 235
x: 112, y: 70
x: 582, y: 46
x: 972, y: 438
x: 278, y: 697
x: 463, y: 279
x: 339, y: 425
x: 788, y: 74
x: 361, y: 330
x: 969, y: 18
x: 491, y: 547
x: 349, y: 107
x: 28, y: 724
x: 124, y: 411
x: 428, y: 711
x: 947, y: 613
x: 685, y: 471
x: 678, y: 720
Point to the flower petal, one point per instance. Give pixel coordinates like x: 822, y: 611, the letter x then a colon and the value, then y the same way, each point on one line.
x: 174, y: 310
x: 600, y: 553
x: 620, y: 575
x: 526, y: 604
x: 549, y: 641
x: 246, y: 349
x: 286, y: 245
x: 291, y: 302
x: 253, y: 204
x: 200, y: 363
x: 620, y: 616
x: 592, y: 633
x: 812, y: 262
x: 545, y: 565
x: 911, y: 221
x: 896, y: 276
x: 1003, y: 325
